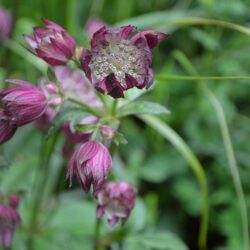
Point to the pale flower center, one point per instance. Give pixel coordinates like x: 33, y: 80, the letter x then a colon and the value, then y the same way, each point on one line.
x: 118, y: 59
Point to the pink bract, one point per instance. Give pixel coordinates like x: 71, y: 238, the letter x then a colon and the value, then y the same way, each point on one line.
x: 7, y: 129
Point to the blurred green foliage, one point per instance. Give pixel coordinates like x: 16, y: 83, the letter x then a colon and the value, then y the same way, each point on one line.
x: 170, y: 197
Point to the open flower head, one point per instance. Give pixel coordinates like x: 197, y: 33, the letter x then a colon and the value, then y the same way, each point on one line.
x: 51, y: 43
x: 116, y: 200
x: 119, y: 59
x: 91, y: 163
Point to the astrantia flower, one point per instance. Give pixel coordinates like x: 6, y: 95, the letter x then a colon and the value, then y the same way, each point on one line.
x: 91, y: 163
x: 23, y: 103
x: 119, y: 60
x: 5, y: 25
x: 52, y: 43
x: 7, y: 129
x: 116, y: 200
x: 9, y: 220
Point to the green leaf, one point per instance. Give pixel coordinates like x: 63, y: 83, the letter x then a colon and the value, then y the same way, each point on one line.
x: 120, y: 139
x: 142, y: 107
x: 155, y: 240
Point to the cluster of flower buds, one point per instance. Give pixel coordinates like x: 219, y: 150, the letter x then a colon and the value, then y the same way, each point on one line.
x: 9, y: 220
x: 5, y: 25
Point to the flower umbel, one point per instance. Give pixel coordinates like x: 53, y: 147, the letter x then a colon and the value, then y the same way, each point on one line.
x: 23, y: 103
x: 119, y: 60
x: 91, y: 163
x: 116, y: 200
x: 52, y: 43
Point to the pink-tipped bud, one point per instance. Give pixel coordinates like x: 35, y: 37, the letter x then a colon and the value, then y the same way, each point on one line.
x: 9, y: 220
x: 116, y: 200
x: 91, y: 163
x: 108, y: 133
x: 7, y: 129
x: 51, y: 43
x: 23, y: 103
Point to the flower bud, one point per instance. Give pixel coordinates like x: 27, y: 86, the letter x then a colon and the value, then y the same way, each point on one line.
x: 108, y: 133
x: 116, y: 200
x: 91, y: 163
x: 52, y: 43
x: 14, y: 200
x: 9, y: 220
x: 23, y: 103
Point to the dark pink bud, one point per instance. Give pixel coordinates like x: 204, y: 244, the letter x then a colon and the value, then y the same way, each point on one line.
x: 119, y: 61
x: 9, y: 220
x: 7, y: 129
x: 5, y: 25
x: 23, y: 103
x: 108, y: 133
x: 52, y: 43
x: 14, y: 201
x: 91, y: 163
x: 116, y: 200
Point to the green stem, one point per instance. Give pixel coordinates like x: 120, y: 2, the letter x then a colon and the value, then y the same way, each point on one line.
x: 183, y: 60
x: 46, y: 153
x: 168, y: 133
x: 114, y: 107
x: 96, y: 245
x: 192, y: 78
